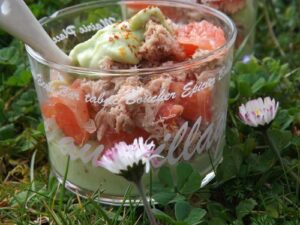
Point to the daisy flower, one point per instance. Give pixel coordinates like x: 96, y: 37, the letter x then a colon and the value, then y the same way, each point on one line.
x: 258, y: 112
x: 130, y: 162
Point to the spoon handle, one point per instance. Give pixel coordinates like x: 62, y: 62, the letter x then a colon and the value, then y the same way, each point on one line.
x: 17, y: 19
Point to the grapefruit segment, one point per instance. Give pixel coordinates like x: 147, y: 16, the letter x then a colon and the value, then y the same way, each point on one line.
x: 200, y: 35
x: 199, y: 104
x: 67, y: 122
x: 70, y: 114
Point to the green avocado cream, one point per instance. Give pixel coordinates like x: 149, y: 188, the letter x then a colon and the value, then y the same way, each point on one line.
x: 119, y: 41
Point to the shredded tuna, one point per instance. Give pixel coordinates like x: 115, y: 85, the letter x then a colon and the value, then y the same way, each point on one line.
x: 101, y: 131
x: 161, y: 82
x: 159, y: 44
x: 98, y: 87
x: 90, y: 126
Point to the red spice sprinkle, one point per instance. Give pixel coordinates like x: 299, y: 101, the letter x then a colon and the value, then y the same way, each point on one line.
x: 116, y: 37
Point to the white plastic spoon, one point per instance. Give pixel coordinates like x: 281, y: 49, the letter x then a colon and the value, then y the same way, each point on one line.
x: 17, y: 19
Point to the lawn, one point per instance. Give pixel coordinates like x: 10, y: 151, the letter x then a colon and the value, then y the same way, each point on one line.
x: 258, y: 182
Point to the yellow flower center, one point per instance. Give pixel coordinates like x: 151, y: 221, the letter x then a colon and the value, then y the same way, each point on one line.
x: 257, y: 112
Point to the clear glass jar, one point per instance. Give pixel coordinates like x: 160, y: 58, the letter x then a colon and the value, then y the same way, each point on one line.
x: 243, y: 13
x: 87, y: 111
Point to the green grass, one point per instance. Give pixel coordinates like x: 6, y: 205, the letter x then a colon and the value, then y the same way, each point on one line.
x: 254, y: 185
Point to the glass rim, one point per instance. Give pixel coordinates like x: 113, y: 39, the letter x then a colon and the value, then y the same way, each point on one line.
x: 91, y: 72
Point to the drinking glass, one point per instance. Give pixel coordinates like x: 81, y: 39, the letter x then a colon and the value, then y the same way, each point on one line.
x: 181, y: 107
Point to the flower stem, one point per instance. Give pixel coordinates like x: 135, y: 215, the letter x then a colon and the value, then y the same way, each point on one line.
x: 150, y: 215
x: 277, y: 153
x: 62, y: 193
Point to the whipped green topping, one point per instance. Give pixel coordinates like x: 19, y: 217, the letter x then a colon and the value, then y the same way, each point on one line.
x: 119, y: 41
x: 116, y: 41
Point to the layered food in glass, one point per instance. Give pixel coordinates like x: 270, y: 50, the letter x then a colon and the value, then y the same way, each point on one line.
x: 163, y: 78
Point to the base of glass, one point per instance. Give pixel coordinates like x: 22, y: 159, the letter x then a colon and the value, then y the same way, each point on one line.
x: 112, y: 199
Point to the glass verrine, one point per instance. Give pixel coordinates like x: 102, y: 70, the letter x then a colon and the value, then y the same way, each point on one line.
x: 180, y: 106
